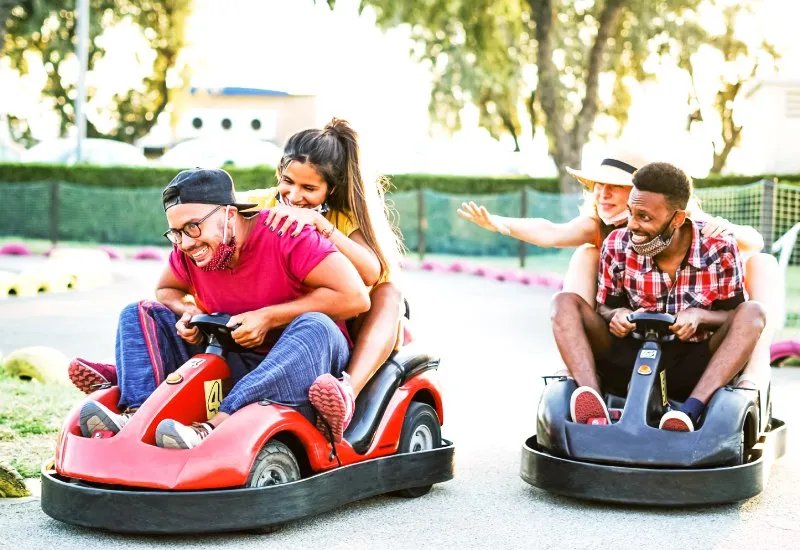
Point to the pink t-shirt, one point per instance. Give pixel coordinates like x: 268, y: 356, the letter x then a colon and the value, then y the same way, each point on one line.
x: 270, y: 271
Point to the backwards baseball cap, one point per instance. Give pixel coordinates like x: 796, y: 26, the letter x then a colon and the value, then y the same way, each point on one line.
x: 202, y: 186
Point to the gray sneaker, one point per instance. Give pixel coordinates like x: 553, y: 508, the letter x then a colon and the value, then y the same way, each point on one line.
x: 171, y: 434
x: 97, y: 417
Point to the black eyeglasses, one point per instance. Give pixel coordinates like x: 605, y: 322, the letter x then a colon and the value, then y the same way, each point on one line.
x: 191, y: 229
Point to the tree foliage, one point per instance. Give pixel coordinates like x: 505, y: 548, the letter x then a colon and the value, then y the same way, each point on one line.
x: 47, y: 29
x: 737, y: 61
x: 547, y: 60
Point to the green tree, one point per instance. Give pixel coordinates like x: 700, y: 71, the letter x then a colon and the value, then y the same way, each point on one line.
x: 548, y: 55
x: 48, y: 29
x: 737, y: 61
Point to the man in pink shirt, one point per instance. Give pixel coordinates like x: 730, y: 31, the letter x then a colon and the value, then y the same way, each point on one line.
x: 283, y: 293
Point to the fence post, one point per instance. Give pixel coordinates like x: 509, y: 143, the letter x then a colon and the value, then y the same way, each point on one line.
x: 54, y: 211
x: 422, y: 223
x: 768, y: 214
x: 523, y: 213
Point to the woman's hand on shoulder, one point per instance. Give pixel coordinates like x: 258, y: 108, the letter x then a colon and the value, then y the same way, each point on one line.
x: 480, y: 216
x: 716, y: 226
x: 281, y: 217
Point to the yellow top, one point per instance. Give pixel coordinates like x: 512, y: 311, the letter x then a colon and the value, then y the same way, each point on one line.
x: 266, y: 198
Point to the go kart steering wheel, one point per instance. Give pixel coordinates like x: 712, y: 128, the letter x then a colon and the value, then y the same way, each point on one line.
x: 214, y: 326
x: 652, y: 326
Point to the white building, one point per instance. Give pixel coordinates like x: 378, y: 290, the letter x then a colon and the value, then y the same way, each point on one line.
x: 769, y: 111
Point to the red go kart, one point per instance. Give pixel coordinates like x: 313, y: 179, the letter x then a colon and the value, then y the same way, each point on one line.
x: 264, y: 466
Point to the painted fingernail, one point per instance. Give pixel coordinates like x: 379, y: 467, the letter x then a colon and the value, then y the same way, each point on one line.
x: 280, y: 232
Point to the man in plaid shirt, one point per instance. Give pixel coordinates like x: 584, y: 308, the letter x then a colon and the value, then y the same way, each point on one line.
x: 661, y: 263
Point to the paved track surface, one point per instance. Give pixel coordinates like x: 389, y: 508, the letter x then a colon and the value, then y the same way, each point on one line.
x: 495, y: 342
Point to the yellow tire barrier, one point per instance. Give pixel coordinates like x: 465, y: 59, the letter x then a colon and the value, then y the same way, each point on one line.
x: 47, y: 277
x: 6, y: 283
x: 88, y: 268
x: 47, y: 365
x: 11, y: 483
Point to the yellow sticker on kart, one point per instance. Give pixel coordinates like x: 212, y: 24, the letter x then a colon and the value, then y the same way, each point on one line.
x: 664, y: 388
x: 213, y: 392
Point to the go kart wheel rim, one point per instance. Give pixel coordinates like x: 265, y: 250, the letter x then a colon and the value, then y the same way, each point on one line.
x: 422, y: 439
x: 274, y: 475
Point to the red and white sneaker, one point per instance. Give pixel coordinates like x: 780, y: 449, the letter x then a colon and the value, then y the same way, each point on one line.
x: 676, y: 421
x: 335, y: 402
x: 86, y: 375
x: 586, y: 404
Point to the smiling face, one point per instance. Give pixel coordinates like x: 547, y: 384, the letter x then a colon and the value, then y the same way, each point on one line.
x: 301, y: 185
x: 201, y: 249
x: 611, y: 200
x: 650, y: 215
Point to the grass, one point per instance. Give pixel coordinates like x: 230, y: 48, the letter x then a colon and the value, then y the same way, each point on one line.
x: 30, y: 417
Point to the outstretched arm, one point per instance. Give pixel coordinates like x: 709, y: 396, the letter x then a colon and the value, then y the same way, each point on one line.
x: 538, y: 231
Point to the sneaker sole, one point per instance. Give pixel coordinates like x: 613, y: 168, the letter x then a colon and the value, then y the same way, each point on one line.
x: 95, y: 421
x: 166, y: 437
x: 85, y: 377
x: 326, y: 397
x: 675, y: 425
x: 585, y: 406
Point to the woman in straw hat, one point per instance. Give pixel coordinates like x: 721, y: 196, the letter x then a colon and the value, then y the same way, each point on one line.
x: 605, y: 209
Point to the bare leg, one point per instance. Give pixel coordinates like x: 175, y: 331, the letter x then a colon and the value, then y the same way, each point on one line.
x: 764, y: 283
x: 376, y: 335
x: 580, y: 333
x: 581, y: 276
x: 739, y: 335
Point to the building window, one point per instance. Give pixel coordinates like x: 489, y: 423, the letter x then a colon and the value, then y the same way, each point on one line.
x: 255, y: 124
x: 197, y: 122
x: 226, y: 123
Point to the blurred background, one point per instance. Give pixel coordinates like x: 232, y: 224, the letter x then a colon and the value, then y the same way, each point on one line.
x: 453, y: 99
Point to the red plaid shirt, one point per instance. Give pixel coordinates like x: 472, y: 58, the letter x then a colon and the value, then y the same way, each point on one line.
x: 711, y: 276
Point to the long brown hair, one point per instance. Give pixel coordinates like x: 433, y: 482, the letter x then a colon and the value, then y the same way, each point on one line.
x: 334, y: 153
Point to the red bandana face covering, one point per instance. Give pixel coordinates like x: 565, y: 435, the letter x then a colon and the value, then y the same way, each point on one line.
x: 224, y: 252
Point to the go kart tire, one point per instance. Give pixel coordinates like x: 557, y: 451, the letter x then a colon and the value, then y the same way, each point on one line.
x: 421, y: 432
x: 274, y: 465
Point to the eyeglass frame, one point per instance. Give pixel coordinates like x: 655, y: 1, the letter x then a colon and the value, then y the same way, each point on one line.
x: 182, y: 231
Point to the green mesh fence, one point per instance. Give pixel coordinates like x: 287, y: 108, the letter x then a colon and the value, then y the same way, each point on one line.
x: 133, y: 216
x: 71, y: 212
x: 25, y: 210
x: 741, y: 205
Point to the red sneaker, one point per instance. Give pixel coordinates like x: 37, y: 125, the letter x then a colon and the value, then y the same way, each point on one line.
x: 335, y: 402
x: 586, y: 404
x: 676, y: 421
x: 86, y: 374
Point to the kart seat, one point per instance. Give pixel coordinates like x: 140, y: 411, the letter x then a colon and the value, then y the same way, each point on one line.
x: 371, y: 403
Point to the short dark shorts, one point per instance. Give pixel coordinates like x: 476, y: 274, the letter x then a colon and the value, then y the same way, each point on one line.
x: 685, y: 363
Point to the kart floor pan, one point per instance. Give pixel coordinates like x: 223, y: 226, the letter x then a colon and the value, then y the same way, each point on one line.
x: 137, y: 511
x: 653, y: 486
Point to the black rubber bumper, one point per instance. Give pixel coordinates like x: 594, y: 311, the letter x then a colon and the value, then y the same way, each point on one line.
x: 653, y: 486
x: 151, y: 512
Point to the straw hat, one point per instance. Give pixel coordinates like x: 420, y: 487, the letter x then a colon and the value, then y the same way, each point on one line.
x: 617, y: 168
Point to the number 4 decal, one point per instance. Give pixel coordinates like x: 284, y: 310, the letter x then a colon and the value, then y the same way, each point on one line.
x: 213, y: 391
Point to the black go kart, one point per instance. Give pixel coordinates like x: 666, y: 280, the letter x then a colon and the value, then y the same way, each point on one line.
x: 726, y: 459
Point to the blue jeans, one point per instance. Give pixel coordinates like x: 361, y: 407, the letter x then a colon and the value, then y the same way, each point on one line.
x: 148, y: 349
